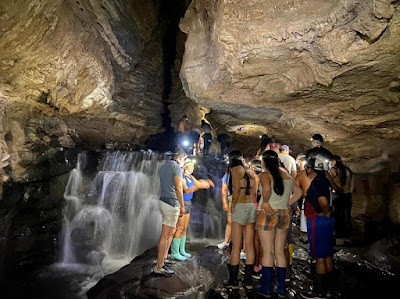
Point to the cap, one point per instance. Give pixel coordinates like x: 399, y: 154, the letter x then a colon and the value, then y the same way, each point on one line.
x: 316, y: 164
x: 285, y: 147
x: 187, y: 162
x: 318, y: 138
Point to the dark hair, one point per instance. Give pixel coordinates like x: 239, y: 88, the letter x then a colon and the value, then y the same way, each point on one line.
x: 235, y: 159
x: 342, y: 169
x: 264, y: 141
x: 271, y: 161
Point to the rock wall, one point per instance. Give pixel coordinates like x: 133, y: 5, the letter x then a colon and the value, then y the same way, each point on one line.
x: 88, y: 69
x: 73, y: 75
x: 296, y: 67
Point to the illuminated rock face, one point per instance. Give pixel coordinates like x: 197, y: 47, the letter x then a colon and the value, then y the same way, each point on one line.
x: 292, y: 68
x: 92, y: 68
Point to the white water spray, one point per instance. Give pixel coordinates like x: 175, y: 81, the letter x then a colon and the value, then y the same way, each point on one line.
x: 113, y: 217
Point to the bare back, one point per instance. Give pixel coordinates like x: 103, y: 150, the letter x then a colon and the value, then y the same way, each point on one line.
x: 239, y: 185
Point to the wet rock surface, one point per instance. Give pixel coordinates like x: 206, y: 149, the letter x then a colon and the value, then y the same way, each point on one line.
x: 202, y: 276
x: 194, y: 277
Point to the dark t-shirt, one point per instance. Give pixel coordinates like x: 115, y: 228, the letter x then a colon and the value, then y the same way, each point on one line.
x: 206, y: 128
x: 319, y: 187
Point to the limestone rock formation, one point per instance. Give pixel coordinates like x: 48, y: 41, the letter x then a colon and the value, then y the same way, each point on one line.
x: 292, y: 68
x: 89, y: 69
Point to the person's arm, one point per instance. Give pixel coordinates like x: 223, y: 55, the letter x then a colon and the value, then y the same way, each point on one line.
x: 179, y: 193
x: 266, y: 192
x: 324, y: 204
x: 333, y: 184
x: 293, y: 171
x: 200, y: 184
x: 296, y: 193
x: 352, y: 184
x: 258, y: 153
x: 224, y: 194
x: 188, y: 190
x: 254, y: 191
x: 235, y: 186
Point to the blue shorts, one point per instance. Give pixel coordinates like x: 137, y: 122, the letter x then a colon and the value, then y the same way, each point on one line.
x: 320, y: 236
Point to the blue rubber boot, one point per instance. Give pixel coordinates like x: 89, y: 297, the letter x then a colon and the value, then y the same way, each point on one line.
x: 264, y: 289
x: 280, y: 277
x: 182, y: 247
x: 175, y: 250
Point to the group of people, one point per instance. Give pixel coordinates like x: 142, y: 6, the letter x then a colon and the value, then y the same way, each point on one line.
x: 197, y: 141
x: 259, y: 196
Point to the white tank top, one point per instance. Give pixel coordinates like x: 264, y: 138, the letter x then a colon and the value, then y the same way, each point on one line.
x: 279, y: 201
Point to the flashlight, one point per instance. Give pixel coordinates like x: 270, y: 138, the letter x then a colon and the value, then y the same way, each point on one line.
x: 185, y: 143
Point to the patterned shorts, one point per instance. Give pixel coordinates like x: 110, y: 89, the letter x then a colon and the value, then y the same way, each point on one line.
x: 280, y: 219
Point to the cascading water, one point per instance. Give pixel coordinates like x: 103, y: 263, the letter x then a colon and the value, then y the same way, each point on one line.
x: 114, y: 216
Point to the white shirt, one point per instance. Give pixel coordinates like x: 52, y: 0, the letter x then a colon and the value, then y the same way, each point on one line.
x: 289, y: 162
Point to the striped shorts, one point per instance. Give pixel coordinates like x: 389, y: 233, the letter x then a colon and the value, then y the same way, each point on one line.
x: 280, y: 219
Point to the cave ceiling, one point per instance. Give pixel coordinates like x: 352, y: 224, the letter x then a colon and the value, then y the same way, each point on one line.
x: 293, y: 68
x: 96, y: 71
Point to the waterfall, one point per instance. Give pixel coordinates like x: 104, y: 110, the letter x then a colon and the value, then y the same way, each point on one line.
x: 112, y: 216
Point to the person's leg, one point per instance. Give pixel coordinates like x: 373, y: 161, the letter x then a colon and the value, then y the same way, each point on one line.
x: 280, y: 259
x: 267, y: 238
x: 163, y: 244
x: 233, y: 266
x: 182, y: 246
x: 228, y: 227
x: 236, y: 235
x: 279, y: 252
x: 250, y: 254
x: 175, y: 242
x: 223, y: 146
x: 170, y: 237
x: 257, y: 249
x: 179, y: 227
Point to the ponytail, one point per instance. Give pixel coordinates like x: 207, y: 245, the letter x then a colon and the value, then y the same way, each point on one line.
x: 271, y: 161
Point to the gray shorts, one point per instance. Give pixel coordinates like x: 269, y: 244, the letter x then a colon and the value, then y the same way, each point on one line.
x: 188, y: 206
x: 244, y: 213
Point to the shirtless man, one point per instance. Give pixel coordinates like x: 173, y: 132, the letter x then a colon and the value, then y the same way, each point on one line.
x: 183, y: 124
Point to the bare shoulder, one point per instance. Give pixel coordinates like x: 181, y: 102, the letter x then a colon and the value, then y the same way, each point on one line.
x: 238, y: 170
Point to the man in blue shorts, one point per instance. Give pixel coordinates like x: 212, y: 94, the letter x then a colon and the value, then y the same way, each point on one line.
x: 319, y: 228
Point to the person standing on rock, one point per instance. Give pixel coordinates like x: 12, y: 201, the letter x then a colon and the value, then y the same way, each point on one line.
x: 183, y: 126
x: 171, y: 207
x: 320, y: 229
x: 225, y: 142
x: 273, y: 222
x: 207, y: 137
x: 244, y: 193
x: 190, y: 185
x: 341, y: 200
x: 226, y: 206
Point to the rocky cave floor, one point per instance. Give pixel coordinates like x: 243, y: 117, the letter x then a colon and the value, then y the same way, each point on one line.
x: 202, y: 277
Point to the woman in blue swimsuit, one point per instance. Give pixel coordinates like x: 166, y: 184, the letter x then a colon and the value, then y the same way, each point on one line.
x: 190, y: 185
